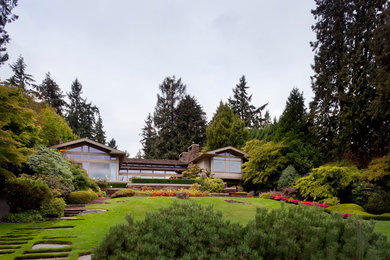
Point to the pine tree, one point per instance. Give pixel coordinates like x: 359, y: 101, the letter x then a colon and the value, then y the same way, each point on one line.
x: 343, y: 83
x: 240, y: 103
x: 50, y: 92
x: 100, y: 134
x: 6, y: 16
x: 20, y: 78
x: 191, y: 123
x: 172, y: 92
x: 225, y: 129
x: 80, y: 114
x: 112, y: 143
x: 149, y: 138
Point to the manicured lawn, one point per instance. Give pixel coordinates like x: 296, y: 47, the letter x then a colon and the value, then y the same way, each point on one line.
x: 88, y: 232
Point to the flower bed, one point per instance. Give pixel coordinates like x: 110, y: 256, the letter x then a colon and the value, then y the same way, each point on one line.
x: 294, y: 201
x: 172, y: 193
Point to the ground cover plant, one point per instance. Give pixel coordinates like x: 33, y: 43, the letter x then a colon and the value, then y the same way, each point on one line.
x: 91, y: 228
x: 191, y: 231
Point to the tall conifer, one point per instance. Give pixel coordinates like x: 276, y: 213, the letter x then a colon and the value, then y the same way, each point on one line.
x: 50, y: 92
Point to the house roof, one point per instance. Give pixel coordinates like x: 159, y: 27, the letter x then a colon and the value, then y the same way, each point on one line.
x: 229, y: 149
x: 82, y: 141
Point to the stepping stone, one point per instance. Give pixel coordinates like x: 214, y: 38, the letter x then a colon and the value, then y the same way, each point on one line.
x: 69, y: 218
x: 41, y: 246
x: 90, y: 211
x: 84, y: 257
x: 236, y: 201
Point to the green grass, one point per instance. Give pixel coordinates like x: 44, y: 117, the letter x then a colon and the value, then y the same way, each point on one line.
x: 88, y: 233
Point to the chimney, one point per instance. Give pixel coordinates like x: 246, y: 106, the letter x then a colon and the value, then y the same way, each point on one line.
x: 193, y: 151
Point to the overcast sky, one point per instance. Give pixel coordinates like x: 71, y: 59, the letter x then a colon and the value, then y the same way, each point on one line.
x: 122, y: 50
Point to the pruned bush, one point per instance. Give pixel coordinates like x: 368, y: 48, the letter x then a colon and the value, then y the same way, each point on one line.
x: 190, y: 231
x: 327, y: 181
x: 212, y: 185
x: 54, y: 208
x: 79, y: 197
x: 287, y: 178
x: 357, y: 210
x: 123, y: 193
x: 58, y: 189
x: 24, y: 217
x: 25, y: 193
x: 81, y: 181
x: 378, y: 202
x: 93, y: 194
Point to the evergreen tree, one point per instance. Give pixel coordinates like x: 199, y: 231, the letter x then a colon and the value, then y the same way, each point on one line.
x: 225, y: 129
x: 20, y: 78
x: 100, y: 134
x: 112, y: 143
x: 6, y: 16
x: 50, y: 92
x: 172, y: 92
x: 191, y: 123
x: 343, y: 83
x: 80, y: 114
x: 149, y: 138
x: 240, y: 103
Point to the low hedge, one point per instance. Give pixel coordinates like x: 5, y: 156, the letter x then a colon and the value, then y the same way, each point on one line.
x: 355, y: 209
x: 167, y: 181
x: 79, y: 197
x: 123, y: 193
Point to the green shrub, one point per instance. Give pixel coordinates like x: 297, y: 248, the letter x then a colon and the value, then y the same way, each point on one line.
x: 194, y: 171
x: 287, y: 178
x: 265, y: 195
x: 50, y: 162
x: 54, y: 208
x: 123, y: 193
x: 378, y: 202
x: 79, y: 197
x: 360, y: 192
x: 117, y: 184
x: 58, y: 189
x: 25, y: 193
x: 378, y: 171
x: 331, y: 201
x: 24, y: 217
x: 327, y: 181
x: 81, y: 181
x: 93, y: 194
x: 171, y: 181
x: 190, y: 231
x: 355, y: 209
x: 212, y: 185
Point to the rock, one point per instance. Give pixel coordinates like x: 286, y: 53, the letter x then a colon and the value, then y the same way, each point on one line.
x: 90, y: 211
x: 182, y: 195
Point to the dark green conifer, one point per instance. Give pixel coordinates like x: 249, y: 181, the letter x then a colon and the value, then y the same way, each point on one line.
x: 20, y: 78
x: 50, y: 92
x: 6, y: 16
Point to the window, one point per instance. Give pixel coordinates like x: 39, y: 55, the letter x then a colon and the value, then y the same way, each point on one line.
x: 77, y: 149
x: 93, y: 150
x: 227, y: 164
x: 99, y: 170
x: 99, y: 157
x: 113, y: 171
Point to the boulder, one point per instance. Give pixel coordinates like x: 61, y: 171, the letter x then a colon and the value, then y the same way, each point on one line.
x: 182, y: 195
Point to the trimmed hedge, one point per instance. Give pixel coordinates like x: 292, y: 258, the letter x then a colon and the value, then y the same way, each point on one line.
x: 117, y: 184
x: 167, y: 181
x: 355, y: 209
x: 79, y: 197
x: 123, y: 193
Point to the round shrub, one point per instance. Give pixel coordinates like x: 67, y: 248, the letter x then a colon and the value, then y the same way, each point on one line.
x: 378, y: 202
x: 123, y: 193
x: 212, y: 185
x: 79, y: 197
x: 81, y: 181
x: 58, y: 189
x: 93, y: 194
x: 25, y: 193
x: 54, y: 208
x: 287, y: 178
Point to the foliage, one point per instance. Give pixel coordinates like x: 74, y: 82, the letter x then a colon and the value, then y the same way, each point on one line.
x: 123, y: 193
x: 212, y: 185
x: 378, y: 171
x: 333, y: 201
x: 58, y: 189
x: 103, y: 184
x: 190, y: 231
x: 54, y: 208
x: 344, y: 83
x: 360, y: 192
x: 50, y: 92
x: 100, y: 134
x: 53, y: 127
x: 23, y: 217
x: 112, y: 143
x: 240, y: 104
x: 25, y: 193
x: 327, y: 181
x: 171, y: 181
x: 194, y: 171
x: 265, y: 163
x: 6, y: 16
x: 225, y: 129
x: 149, y: 136
x: 378, y: 202
x: 50, y: 162
x: 357, y: 210
x: 79, y: 197
x: 287, y: 178
x: 20, y: 78
x: 81, y: 181
x: 93, y: 194
x: 18, y: 133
